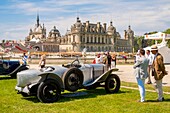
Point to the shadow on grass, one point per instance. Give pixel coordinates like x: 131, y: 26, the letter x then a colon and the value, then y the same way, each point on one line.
x: 32, y: 98
x: 88, y: 94
x: 166, y: 100
x: 81, y: 94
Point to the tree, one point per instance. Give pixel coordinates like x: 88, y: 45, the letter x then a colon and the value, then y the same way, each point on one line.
x: 168, y: 32
x: 138, y: 42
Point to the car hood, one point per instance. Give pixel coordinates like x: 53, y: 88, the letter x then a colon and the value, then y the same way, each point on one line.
x: 27, y: 77
x: 31, y: 76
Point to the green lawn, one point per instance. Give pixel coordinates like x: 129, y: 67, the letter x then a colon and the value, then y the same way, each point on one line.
x: 97, y: 101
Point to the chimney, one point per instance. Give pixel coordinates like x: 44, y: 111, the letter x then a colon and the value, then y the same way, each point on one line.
x: 104, y: 25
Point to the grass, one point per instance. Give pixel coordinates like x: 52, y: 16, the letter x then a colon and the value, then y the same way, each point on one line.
x: 97, y: 101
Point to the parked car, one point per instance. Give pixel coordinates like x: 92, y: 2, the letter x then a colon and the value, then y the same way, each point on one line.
x: 11, y: 67
x: 48, y: 83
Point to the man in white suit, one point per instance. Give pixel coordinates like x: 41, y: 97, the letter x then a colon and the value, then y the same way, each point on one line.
x: 141, y: 73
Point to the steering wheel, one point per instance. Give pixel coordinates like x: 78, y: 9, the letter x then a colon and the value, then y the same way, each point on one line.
x: 75, y: 62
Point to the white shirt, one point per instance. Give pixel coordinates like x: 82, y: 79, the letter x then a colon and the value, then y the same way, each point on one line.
x: 150, y: 57
x: 97, y: 60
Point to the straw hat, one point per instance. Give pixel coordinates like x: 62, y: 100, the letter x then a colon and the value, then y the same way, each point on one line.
x: 154, y: 47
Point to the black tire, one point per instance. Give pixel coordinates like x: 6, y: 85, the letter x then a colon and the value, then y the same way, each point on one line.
x: 49, y: 91
x: 112, y: 84
x: 73, y: 79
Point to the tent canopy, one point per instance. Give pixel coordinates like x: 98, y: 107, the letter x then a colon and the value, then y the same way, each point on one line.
x: 157, y: 36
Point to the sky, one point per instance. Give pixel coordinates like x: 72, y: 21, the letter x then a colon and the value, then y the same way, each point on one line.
x: 18, y: 16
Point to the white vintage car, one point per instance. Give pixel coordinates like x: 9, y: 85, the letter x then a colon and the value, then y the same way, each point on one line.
x: 48, y: 83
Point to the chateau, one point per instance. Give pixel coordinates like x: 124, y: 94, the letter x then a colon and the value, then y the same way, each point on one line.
x: 94, y: 37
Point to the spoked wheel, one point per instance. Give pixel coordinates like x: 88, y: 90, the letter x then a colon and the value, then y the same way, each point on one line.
x: 112, y: 84
x: 73, y: 79
x: 49, y: 91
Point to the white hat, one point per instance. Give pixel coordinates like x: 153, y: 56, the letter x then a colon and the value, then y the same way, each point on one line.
x: 154, y: 47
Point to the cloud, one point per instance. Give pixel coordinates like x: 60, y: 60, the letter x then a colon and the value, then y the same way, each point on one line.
x: 143, y: 16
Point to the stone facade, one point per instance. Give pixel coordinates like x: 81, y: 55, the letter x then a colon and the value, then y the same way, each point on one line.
x: 93, y: 37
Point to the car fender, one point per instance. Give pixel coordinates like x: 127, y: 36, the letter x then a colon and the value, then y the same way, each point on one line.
x: 46, y: 76
x: 102, y: 77
x: 18, y: 69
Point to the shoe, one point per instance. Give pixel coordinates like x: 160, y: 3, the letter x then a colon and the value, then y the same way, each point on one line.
x: 161, y: 99
x: 141, y: 101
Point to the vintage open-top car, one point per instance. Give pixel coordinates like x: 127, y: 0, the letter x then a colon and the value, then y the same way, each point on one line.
x: 48, y: 83
x: 11, y: 67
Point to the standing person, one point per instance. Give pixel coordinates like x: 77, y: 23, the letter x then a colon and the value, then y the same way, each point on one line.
x: 101, y: 57
x: 109, y: 60
x: 105, y: 58
x: 158, y: 72
x: 42, y: 61
x: 24, y: 59
x: 114, y: 60
x: 141, y: 73
x: 149, y: 56
x: 97, y: 59
x: 137, y: 56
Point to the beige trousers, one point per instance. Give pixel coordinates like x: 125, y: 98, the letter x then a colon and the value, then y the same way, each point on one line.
x: 158, y: 87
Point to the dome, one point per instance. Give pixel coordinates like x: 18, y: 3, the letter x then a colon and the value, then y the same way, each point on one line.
x: 78, y: 23
x: 54, y: 30
x: 129, y: 30
x: 111, y: 27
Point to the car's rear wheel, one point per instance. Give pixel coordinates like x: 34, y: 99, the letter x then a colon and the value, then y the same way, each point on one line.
x: 49, y: 91
x: 73, y: 79
x: 112, y: 84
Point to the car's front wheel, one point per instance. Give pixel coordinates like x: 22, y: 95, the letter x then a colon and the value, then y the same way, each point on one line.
x: 112, y: 84
x: 49, y: 91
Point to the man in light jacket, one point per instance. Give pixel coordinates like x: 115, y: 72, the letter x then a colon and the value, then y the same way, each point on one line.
x: 141, y: 73
x: 158, y: 72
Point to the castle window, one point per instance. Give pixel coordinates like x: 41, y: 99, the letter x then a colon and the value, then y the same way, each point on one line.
x: 98, y: 39
x: 81, y: 39
x: 87, y: 39
x: 91, y: 48
x: 73, y: 38
x: 99, y: 48
x: 109, y: 40
x: 102, y: 48
x: 95, y: 39
x: 91, y: 39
